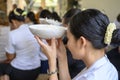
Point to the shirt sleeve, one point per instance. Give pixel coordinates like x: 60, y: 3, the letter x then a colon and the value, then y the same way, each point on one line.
x: 10, y: 45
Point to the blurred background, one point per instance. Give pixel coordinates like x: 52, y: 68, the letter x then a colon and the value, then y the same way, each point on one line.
x: 109, y: 7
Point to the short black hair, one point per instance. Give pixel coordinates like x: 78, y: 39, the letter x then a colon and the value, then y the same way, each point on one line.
x: 31, y: 16
x: 45, y: 14
x: 68, y: 15
x: 55, y: 16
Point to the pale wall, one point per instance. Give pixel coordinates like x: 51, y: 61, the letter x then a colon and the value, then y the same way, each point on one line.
x: 110, y: 7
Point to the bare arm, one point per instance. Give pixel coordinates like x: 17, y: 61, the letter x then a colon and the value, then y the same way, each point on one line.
x: 62, y: 62
x: 10, y: 57
x: 52, y: 50
x: 63, y: 70
x: 52, y: 68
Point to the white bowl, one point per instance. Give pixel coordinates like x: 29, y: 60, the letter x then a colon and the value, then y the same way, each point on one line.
x: 45, y: 31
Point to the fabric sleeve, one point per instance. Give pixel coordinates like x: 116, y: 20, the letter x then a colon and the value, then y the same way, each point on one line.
x: 10, y: 45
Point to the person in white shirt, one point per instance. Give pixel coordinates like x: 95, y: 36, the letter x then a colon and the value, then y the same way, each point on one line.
x: 31, y: 20
x: 22, y: 50
x: 88, y: 34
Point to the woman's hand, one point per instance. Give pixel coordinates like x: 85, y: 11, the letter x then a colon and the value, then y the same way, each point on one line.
x: 61, y: 50
x: 49, y: 49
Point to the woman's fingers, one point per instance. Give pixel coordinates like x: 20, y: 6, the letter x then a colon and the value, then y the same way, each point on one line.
x: 40, y: 42
x: 44, y: 47
x: 60, y: 42
x: 53, y: 43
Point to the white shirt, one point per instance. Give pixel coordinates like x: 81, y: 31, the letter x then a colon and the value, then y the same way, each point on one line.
x: 22, y: 43
x: 100, y: 70
x: 42, y: 56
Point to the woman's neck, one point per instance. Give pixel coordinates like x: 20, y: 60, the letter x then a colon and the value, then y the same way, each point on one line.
x: 92, y: 56
x: 19, y: 24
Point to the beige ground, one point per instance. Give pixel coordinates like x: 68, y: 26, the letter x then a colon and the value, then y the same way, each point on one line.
x: 43, y: 77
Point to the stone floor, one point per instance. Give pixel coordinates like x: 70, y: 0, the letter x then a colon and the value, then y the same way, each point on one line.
x: 43, y: 77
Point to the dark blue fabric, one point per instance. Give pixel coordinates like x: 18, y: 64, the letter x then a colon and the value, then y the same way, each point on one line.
x: 44, y: 67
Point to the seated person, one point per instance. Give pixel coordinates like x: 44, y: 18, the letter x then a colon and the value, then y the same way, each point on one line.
x: 22, y: 51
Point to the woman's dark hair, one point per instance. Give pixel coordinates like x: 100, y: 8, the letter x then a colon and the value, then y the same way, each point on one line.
x: 116, y: 35
x: 55, y: 16
x: 16, y: 14
x: 91, y: 24
x: 116, y: 38
x: 45, y: 14
x: 31, y: 16
x: 118, y: 18
x: 68, y: 15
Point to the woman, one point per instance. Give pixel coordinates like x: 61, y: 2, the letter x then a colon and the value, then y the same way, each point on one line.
x: 87, y: 39
x: 30, y: 19
x: 22, y: 50
x: 75, y: 66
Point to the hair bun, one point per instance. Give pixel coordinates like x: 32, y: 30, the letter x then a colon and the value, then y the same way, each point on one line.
x: 108, y: 35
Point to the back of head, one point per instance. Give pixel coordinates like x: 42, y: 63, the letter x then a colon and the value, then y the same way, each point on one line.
x: 16, y: 14
x: 55, y: 16
x: 45, y: 14
x: 118, y: 18
x: 92, y: 25
x: 32, y: 18
x: 14, y: 6
x: 68, y: 15
x: 40, y: 8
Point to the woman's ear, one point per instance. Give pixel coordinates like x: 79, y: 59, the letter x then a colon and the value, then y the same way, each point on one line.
x: 82, y: 41
x: 81, y: 46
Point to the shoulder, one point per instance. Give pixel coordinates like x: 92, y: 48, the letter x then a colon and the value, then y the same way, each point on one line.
x: 20, y: 28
